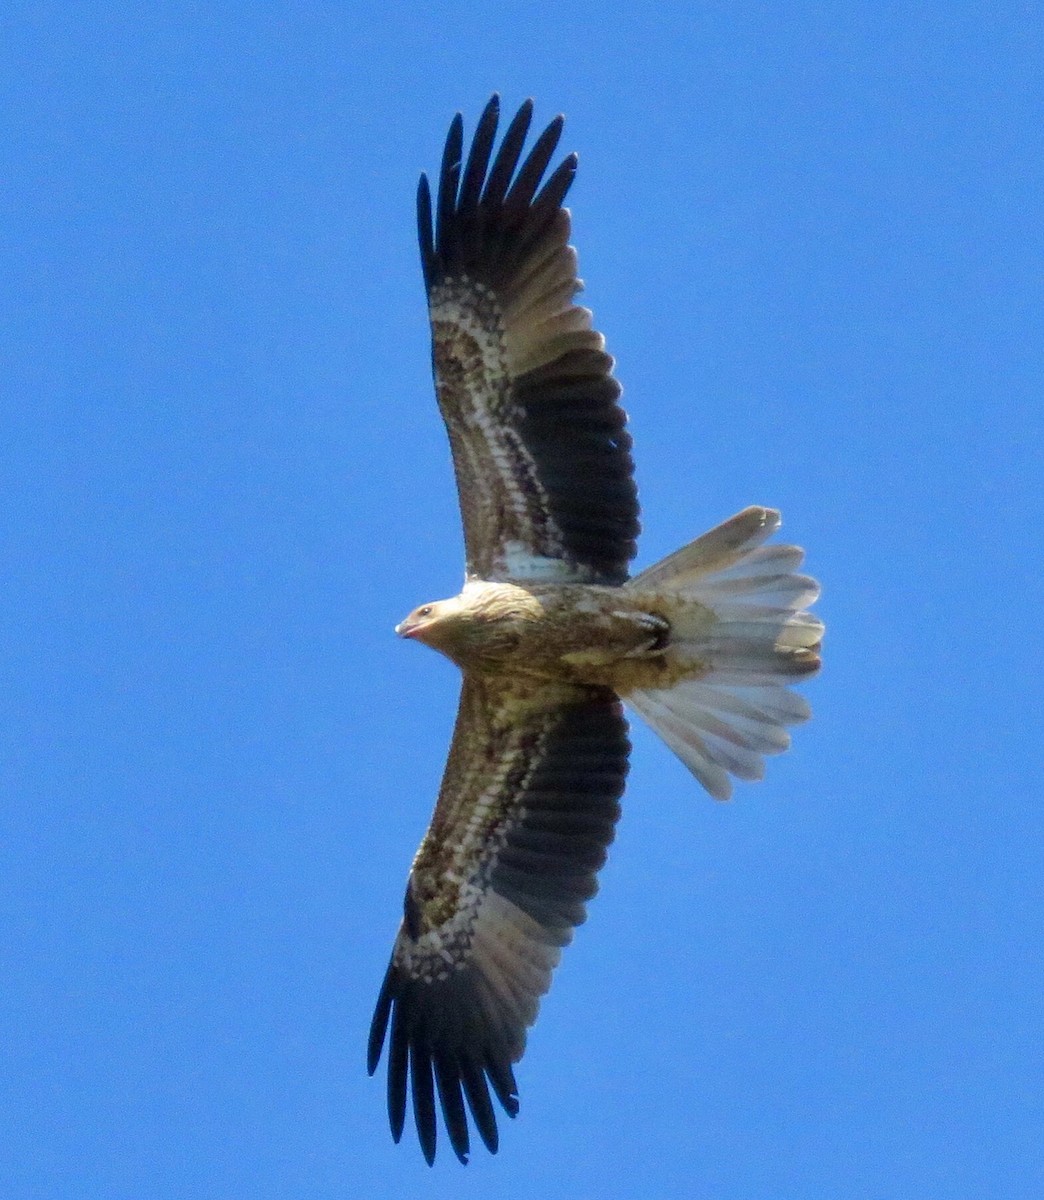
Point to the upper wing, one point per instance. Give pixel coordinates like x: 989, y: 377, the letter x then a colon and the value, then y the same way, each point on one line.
x: 526, y: 811
x: 540, y: 451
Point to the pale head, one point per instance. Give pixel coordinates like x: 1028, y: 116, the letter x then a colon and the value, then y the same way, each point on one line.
x: 434, y: 623
x: 480, y: 624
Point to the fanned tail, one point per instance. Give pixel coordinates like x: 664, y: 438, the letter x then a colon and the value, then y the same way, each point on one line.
x: 739, y: 638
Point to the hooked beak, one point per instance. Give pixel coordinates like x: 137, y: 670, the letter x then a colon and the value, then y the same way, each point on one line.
x: 404, y: 629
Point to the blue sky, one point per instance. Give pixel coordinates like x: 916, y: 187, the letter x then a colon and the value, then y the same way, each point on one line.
x: 813, y: 237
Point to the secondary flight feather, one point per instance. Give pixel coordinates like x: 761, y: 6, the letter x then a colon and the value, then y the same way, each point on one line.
x: 551, y: 635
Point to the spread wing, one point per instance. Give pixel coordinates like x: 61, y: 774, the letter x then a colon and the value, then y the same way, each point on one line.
x: 541, y: 455
x: 526, y: 811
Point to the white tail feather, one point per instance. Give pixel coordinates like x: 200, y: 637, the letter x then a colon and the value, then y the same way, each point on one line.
x: 736, y: 613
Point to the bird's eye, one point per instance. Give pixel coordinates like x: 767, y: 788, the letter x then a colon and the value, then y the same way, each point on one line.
x: 425, y: 610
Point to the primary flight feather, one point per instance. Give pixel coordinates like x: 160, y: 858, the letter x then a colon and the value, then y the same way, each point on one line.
x: 551, y: 635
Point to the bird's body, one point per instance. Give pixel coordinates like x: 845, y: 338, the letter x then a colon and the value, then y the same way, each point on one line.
x: 552, y: 636
x: 582, y: 634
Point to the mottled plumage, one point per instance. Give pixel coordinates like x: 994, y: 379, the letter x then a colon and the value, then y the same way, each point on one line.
x: 551, y: 635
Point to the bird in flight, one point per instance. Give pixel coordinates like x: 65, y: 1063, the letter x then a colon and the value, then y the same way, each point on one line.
x: 552, y: 636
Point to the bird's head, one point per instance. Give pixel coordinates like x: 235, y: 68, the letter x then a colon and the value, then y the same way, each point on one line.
x: 480, y: 624
x: 437, y: 624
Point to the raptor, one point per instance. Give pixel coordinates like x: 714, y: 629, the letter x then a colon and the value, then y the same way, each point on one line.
x: 553, y: 636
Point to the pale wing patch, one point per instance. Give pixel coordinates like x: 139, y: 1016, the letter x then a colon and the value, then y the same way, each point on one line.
x: 540, y: 319
x: 519, y: 562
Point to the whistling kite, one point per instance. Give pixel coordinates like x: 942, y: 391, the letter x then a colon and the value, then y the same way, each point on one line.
x: 551, y: 635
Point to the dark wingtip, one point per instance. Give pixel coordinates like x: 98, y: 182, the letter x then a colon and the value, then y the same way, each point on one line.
x: 427, y: 1136
x: 449, y: 184
x: 379, y: 1024
x: 554, y: 191
x: 454, y: 139
x: 425, y: 234
x: 501, y: 1076
x: 524, y: 187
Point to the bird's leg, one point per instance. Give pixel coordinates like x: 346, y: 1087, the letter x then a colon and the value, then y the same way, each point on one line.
x: 659, y: 630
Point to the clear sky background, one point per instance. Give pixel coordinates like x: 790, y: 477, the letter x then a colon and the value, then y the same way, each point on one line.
x: 812, y: 234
